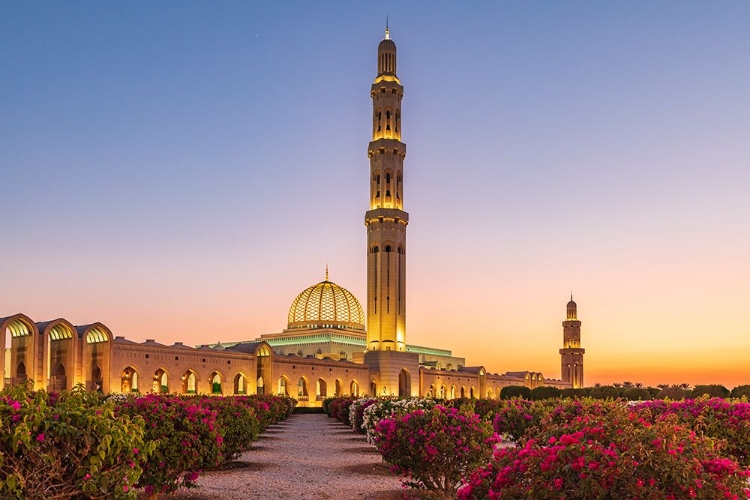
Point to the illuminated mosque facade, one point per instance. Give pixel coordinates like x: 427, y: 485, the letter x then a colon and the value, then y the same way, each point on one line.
x: 331, y: 346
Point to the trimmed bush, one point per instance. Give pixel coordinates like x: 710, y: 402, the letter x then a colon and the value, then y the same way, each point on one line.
x: 545, y: 392
x: 619, y: 454
x: 236, y: 422
x: 674, y: 393
x: 710, y: 390
x: 515, y: 391
x: 435, y: 448
x: 604, y: 392
x: 741, y: 391
x: 187, y: 437
x: 67, y: 446
x: 636, y: 394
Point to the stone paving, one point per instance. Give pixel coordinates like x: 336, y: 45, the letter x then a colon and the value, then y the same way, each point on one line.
x: 305, y: 457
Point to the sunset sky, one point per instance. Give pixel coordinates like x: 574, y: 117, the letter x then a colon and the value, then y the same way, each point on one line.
x: 182, y: 170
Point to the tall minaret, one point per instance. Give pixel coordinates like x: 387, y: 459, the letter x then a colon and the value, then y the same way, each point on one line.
x: 571, y: 353
x: 386, y: 221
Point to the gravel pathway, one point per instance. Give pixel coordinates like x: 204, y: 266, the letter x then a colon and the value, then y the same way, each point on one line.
x: 305, y: 457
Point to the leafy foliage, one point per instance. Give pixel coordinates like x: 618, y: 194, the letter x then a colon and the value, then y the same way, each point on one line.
x: 68, y: 446
x: 614, y: 453
x: 435, y: 448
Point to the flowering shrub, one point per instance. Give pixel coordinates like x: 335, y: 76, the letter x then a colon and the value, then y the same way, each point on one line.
x: 620, y: 454
x: 515, y: 417
x: 71, y: 447
x: 436, y: 447
x: 327, y: 405
x: 388, y: 407
x: 187, y: 438
x: 269, y: 409
x: 716, y: 418
x: 357, y: 413
x: 340, y: 410
x: 236, y: 422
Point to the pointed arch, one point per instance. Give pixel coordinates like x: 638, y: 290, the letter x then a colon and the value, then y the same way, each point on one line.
x: 239, y: 384
x: 160, y: 383
x: 215, y: 380
x: 129, y: 378
x: 302, y: 393
x: 97, y: 353
x: 354, y: 388
x: 321, y: 389
x: 338, y: 388
x: 190, y: 381
x: 283, y: 386
x: 21, y: 336
x: 59, y: 344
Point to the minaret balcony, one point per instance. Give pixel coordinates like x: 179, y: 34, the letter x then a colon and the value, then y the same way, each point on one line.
x: 387, y: 145
x: 387, y: 214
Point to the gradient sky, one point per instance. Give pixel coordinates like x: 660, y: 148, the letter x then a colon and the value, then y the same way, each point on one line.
x: 181, y: 170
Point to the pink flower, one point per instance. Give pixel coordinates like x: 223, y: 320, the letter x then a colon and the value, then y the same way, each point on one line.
x: 40, y: 437
x: 558, y: 483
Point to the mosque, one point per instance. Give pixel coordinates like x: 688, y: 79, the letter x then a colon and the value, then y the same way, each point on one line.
x: 330, y: 347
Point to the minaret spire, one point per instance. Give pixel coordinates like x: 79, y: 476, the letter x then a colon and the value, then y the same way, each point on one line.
x: 326, y: 271
x: 571, y: 355
x: 386, y: 220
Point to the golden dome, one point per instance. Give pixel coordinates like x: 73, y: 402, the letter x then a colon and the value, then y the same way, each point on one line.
x: 326, y: 305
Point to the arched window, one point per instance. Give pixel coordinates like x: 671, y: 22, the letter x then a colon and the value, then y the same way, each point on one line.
x: 240, y: 384
x: 387, y: 248
x: 283, y: 389
x: 375, y: 249
x: 354, y: 388
x: 161, y: 382
x: 215, y: 383
x: 189, y: 382
x: 301, y: 388
x: 321, y: 389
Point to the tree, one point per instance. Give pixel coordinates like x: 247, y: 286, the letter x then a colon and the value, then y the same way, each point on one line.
x: 627, y: 385
x: 638, y: 385
x: 515, y: 391
x: 662, y: 386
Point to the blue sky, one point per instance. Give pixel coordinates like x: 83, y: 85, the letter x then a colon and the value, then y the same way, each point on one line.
x: 168, y: 164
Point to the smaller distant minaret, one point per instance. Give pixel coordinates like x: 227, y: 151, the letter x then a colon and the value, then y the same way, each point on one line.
x: 571, y: 353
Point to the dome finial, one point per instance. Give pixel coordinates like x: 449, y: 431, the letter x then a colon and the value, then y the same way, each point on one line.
x: 326, y: 271
x: 387, y: 33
